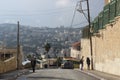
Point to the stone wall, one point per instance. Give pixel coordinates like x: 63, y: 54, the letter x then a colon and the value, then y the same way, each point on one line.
x: 8, y: 65
x: 106, y: 48
x: 11, y: 63
x: 1, y: 67
x: 85, y: 50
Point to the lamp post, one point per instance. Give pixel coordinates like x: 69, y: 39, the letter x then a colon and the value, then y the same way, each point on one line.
x: 89, y: 21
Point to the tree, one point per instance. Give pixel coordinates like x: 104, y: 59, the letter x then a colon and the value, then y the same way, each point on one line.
x: 47, y: 47
x: 59, y: 61
x: 29, y: 56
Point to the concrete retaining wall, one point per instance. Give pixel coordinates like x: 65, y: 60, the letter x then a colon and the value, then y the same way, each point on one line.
x: 8, y: 65
x: 106, y: 48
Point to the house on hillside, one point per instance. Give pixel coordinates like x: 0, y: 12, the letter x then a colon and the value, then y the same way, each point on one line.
x: 65, y: 53
x: 75, y: 50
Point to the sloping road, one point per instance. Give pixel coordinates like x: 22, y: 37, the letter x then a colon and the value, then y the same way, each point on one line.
x: 56, y: 74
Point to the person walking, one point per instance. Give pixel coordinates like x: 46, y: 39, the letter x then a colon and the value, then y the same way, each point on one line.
x: 88, y: 63
x: 33, y: 63
x: 82, y: 63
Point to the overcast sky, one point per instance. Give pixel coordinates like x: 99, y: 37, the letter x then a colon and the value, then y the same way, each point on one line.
x: 51, y: 13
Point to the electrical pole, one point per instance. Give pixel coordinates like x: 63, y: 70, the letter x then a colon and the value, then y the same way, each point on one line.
x: 18, y: 47
x: 90, y: 35
x: 4, y: 55
x: 88, y: 19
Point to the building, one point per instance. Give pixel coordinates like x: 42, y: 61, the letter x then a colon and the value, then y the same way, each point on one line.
x: 75, y: 50
x: 65, y: 53
x: 8, y: 59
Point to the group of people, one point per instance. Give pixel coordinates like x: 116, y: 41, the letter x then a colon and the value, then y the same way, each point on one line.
x: 33, y: 63
x: 82, y: 63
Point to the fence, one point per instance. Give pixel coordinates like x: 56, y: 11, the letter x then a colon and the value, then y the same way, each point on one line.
x: 95, y: 25
x: 108, y: 15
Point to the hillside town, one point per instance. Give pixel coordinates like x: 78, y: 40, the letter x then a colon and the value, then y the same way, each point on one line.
x: 33, y: 39
x: 90, y: 52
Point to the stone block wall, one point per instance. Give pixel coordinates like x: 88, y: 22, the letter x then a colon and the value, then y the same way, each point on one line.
x: 85, y: 50
x: 106, y: 48
x: 11, y: 63
x: 1, y: 67
x: 8, y: 65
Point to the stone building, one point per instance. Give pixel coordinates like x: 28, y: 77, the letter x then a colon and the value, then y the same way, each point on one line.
x: 8, y: 59
x: 75, y: 50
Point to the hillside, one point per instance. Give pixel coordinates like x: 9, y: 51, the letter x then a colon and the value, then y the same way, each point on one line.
x: 32, y: 38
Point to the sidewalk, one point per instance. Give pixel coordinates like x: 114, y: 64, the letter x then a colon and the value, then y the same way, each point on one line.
x: 13, y: 74
x: 100, y: 75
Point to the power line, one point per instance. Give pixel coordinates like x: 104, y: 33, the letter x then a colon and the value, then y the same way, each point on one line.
x: 74, y: 15
x: 42, y: 10
x: 79, y: 24
x: 38, y: 13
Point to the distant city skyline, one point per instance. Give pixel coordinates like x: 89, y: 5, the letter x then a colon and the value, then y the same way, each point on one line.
x: 50, y: 13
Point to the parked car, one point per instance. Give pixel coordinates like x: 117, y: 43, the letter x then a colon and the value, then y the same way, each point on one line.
x: 67, y: 65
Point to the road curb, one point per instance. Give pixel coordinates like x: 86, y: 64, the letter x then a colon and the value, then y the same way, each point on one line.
x: 14, y: 75
x: 21, y: 73
x: 90, y: 74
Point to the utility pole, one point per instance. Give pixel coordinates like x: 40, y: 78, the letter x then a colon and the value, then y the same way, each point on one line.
x: 18, y: 48
x: 90, y: 35
x: 4, y: 46
x: 88, y: 19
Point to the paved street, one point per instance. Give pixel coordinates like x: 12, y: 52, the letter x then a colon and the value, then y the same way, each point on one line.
x: 56, y: 74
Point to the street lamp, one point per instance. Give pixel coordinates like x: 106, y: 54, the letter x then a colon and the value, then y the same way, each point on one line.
x: 88, y: 19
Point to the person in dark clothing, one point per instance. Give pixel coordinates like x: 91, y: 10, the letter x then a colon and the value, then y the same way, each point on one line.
x: 81, y: 63
x: 88, y: 63
x: 33, y: 63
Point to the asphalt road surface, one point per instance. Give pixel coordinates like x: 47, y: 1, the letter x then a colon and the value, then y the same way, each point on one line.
x: 56, y: 74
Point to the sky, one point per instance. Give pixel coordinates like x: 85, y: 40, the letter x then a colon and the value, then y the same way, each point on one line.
x: 49, y: 13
